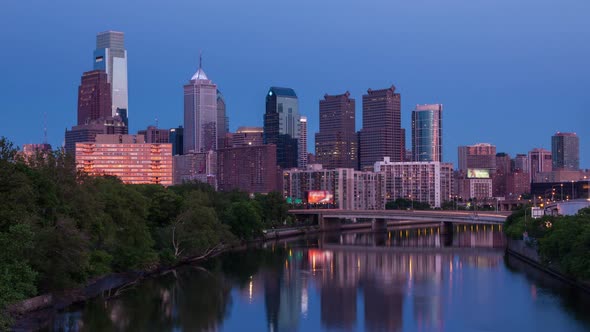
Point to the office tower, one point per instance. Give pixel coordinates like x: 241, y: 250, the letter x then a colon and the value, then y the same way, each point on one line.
x: 336, y: 142
x: 222, y: 120
x: 540, y: 161
x: 521, y: 163
x: 127, y: 157
x: 176, y: 138
x: 281, y: 125
x: 499, y: 178
x: 427, y: 182
x: 198, y: 166
x: 110, y: 56
x: 478, y: 156
x: 427, y: 133
x: 565, y: 151
x: 154, y: 134
x: 248, y: 168
x: 200, y: 114
x: 302, y: 142
x: 381, y: 135
x: 245, y: 136
x: 94, y: 97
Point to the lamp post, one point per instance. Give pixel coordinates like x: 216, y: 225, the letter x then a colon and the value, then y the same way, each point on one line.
x: 562, y: 192
x: 573, y: 190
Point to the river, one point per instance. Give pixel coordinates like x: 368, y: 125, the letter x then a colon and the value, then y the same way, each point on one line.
x: 413, y: 279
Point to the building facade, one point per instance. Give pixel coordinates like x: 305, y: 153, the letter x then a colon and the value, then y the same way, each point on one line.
x: 126, y: 157
x: 478, y: 156
x: 336, y: 142
x: 281, y: 125
x: 94, y: 97
x: 245, y: 136
x: 351, y: 189
x: 381, y: 135
x: 540, y: 161
x: 111, y: 56
x: 426, y: 182
x: 154, y: 134
x: 200, y: 166
x: 222, y: 120
x: 200, y: 114
x: 427, y: 133
x: 176, y: 138
x: 86, y: 133
x: 302, y: 143
x: 565, y: 151
x: 249, y: 168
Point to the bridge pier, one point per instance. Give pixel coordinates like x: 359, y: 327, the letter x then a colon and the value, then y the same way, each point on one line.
x: 446, y: 228
x: 378, y: 224
x: 328, y: 224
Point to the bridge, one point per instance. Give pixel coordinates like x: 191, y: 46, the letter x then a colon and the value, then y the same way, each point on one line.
x: 329, y: 219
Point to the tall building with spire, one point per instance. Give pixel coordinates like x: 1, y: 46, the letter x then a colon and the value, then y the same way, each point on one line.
x: 111, y: 56
x: 382, y: 134
x: 427, y: 133
x: 281, y: 125
x: 200, y: 113
x: 336, y: 142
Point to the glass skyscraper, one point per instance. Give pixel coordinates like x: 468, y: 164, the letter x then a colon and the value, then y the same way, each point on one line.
x: 200, y: 114
x: 427, y: 133
x: 565, y: 151
x: 110, y: 55
x: 281, y: 125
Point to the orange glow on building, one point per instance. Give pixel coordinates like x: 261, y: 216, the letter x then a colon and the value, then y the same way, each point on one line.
x: 134, y: 163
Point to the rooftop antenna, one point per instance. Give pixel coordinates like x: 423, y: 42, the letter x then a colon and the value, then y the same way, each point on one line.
x: 200, y: 59
x: 45, y: 128
x: 156, y: 122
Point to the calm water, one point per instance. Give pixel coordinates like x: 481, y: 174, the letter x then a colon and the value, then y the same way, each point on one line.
x: 400, y: 280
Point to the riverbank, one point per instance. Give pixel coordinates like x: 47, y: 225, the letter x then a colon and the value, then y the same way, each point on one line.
x: 529, y: 254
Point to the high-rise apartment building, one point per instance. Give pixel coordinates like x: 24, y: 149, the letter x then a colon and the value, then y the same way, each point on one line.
x: 200, y: 114
x: 336, y: 142
x: 281, y: 125
x: 540, y: 161
x: 565, y: 151
x: 427, y: 133
x: 199, y: 166
x: 126, y: 157
x: 351, y: 189
x: 86, y: 133
x: 478, y: 156
x: 251, y: 168
x: 110, y: 56
x: 521, y: 163
x: 427, y: 182
x: 302, y: 142
x: 94, y: 97
x: 382, y: 134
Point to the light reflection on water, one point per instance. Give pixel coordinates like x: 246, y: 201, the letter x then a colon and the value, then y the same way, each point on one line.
x: 399, y: 280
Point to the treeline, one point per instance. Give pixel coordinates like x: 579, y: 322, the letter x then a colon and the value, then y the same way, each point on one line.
x: 563, y: 241
x: 59, y: 228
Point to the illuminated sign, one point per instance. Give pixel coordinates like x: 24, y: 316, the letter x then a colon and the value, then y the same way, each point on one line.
x: 477, y: 173
x: 320, y: 197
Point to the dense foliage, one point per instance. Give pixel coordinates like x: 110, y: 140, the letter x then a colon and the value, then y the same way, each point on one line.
x: 563, y: 241
x: 58, y: 228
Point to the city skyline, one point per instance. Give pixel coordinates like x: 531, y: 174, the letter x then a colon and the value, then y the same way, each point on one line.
x: 486, y: 90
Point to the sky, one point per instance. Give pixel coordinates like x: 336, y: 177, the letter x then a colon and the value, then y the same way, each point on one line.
x: 510, y: 73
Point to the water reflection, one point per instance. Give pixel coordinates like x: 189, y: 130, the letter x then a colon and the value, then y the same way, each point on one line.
x: 402, y: 279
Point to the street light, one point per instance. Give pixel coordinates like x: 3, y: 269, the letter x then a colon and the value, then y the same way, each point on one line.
x: 562, y: 192
x: 573, y: 190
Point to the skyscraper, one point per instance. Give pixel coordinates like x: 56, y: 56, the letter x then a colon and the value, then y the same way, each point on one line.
x: 302, y: 147
x: 176, y: 138
x: 336, y: 143
x: 200, y: 114
x: 110, y: 55
x: 281, y: 124
x: 427, y: 133
x: 94, y: 97
x: 540, y: 161
x: 222, y: 120
x: 565, y: 151
x: 381, y: 135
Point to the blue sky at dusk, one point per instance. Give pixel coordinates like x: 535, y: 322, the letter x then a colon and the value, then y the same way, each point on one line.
x: 511, y: 73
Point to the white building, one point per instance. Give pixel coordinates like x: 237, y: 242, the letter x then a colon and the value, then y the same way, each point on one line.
x: 426, y: 182
x: 352, y: 190
x: 111, y: 56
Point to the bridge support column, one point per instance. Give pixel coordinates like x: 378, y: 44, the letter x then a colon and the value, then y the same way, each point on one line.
x: 378, y: 225
x: 328, y: 224
x: 446, y: 228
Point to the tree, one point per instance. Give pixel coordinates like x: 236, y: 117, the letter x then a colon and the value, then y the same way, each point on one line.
x: 244, y: 220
